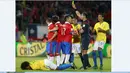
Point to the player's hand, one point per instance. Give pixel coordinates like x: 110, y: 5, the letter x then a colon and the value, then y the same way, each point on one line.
x: 49, y: 40
x: 49, y: 30
x: 90, y: 28
x: 74, y: 33
x: 73, y: 5
x: 100, y: 29
x: 81, y: 31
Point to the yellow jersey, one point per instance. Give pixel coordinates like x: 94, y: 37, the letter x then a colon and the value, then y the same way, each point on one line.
x: 101, y: 36
x: 76, y: 38
x: 38, y: 65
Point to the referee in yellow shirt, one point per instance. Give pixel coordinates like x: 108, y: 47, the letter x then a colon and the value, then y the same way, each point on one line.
x: 101, y: 28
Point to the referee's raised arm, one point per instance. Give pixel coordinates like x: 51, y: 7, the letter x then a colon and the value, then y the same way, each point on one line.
x: 76, y: 11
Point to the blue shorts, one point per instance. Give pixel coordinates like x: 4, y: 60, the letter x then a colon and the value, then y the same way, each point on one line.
x: 58, y: 47
x: 66, y: 48
x: 51, y: 47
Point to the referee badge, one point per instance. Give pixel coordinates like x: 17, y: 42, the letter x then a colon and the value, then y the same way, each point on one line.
x: 83, y: 25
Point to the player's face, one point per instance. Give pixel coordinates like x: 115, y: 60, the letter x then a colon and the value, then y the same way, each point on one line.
x: 28, y: 68
x: 70, y: 19
x: 100, y: 18
x: 74, y: 21
x: 82, y: 16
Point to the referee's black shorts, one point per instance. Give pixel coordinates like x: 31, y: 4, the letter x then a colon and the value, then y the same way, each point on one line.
x: 85, y: 43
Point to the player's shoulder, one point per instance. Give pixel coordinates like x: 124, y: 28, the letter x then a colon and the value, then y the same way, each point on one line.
x: 78, y: 25
x: 53, y: 25
x: 105, y: 22
x: 58, y: 23
x: 96, y: 24
x: 67, y: 23
x: 72, y: 25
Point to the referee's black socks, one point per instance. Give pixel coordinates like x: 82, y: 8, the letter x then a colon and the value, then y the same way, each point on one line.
x: 85, y: 62
x: 81, y: 57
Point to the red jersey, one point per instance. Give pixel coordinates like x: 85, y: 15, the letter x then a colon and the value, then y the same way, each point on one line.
x: 50, y: 34
x: 67, y: 29
x: 59, y: 36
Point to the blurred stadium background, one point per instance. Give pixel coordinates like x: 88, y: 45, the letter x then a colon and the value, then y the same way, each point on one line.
x: 32, y: 14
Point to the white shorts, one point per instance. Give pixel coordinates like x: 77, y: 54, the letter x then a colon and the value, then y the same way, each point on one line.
x: 98, y: 44
x: 76, y: 48
x: 49, y: 64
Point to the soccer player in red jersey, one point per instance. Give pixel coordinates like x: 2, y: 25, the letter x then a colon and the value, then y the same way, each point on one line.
x: 67, y: 40
x: 50, y: 48
x: 59, y: 29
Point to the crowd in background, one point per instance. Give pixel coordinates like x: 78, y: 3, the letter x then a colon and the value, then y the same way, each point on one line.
x: 36, y: 12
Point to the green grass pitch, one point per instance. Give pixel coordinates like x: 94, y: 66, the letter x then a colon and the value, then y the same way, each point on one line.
x: 106, y: 65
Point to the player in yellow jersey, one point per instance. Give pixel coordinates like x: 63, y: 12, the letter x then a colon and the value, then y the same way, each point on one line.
x: 43, y: 65
x: 76, y: 38
x: 101, y: 28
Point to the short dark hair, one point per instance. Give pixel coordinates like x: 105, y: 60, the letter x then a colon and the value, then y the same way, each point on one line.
x: 49, y: 19
x: 101, y: 14
x: 55, y: 18
x: 62, y: 20
x: 24, y: 65
x: 75, y: 17
x: 85, y: 14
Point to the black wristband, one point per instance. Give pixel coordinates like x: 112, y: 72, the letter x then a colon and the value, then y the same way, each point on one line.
x: 75, y: 9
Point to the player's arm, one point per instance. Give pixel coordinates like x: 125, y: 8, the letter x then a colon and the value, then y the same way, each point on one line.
x: 104, y: 30
x: 93, y: 31
x: 44, y: 68
x: 74, y: 32
x: 55, y: 34
x: 54, y: 29
x: 78, y: 30
x: 81, y: 30
x: 76, y: 11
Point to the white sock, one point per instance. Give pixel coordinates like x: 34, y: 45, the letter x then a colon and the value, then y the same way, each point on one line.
x: 67, y: 58
x: 58, y: 60
x: 51, y: 59
x: 62, y: 58
x: 48, y: 57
